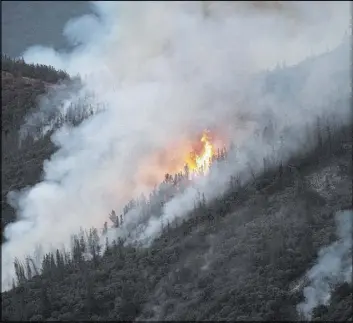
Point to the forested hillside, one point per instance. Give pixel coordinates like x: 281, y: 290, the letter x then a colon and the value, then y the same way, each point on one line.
x: 236, y: 258
x: 21, y: 87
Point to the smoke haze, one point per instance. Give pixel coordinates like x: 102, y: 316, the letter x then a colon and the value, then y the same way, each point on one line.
x: 165, y: 71
x: 334, y: 266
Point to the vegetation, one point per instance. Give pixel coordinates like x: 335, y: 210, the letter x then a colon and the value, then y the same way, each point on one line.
x: 19, y: 68
x: 233, y: 258
x: 22, y: 160
x: 21, y: 166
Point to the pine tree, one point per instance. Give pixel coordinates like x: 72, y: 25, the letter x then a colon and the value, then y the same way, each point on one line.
x: 66, y: 259
x: 45, y: 265
x: 89, y: 300
x: 19, y: 271
x: 105, y: 228
x: 82, y: 243
x: 45, y: 302
x: 77, y: 251
x: 34, y: 267
x: 28, y: 268
x: 107, y: 247
x: 52, y: 262
x: 94, y: 245
x: 59, y: 262
x: 114, y: 219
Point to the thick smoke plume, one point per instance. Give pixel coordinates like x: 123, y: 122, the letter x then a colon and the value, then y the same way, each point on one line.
x: 334, y: 266
x: 165, y: 71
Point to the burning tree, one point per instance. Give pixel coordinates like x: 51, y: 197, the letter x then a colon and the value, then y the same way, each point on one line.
x: 197, y: 163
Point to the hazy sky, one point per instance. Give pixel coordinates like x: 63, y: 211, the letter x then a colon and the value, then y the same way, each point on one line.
x: 28, y: 23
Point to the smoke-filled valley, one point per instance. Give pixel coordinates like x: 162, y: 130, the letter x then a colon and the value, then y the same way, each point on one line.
x: 191, y: 162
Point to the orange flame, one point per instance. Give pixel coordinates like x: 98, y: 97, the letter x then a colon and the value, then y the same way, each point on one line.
x: 199, y: 161
x: 191, y: 157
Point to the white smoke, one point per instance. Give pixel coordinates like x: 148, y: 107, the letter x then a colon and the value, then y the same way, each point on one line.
x: 334, y: 266
x: 165, y: 71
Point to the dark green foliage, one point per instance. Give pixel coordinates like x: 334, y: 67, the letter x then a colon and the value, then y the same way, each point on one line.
x: 45, y: 303
x: 59, y: 260
x: 94, y: 247
x: 21, y: 166
x: 232, y: 258
x: 19, y: 68
x: 22, y: 160
x: 256, y: 249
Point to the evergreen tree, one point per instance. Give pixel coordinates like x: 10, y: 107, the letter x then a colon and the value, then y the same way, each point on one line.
x: 94, y: 244
x: 19, y: 271
x: 77, y: 251
x: 105, y: 228
x: 28, y: 268
x: 45, y: 302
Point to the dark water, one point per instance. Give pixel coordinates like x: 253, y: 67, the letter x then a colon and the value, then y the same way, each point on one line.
x: 27, y: 23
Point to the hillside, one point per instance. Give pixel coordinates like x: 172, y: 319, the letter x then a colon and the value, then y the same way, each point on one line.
x: 235, y: 259
x: 21, y: 87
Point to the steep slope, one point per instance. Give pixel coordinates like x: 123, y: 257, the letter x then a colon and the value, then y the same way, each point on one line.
x: 236, y: 264
x: 235, y: 259
x: 21, y: 87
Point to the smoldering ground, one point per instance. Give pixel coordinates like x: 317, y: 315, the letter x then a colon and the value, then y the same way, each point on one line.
x: 165, y: 71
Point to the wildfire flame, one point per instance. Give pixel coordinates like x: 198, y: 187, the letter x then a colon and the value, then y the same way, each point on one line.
x: 189, y: 156
x: 200, y: 159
